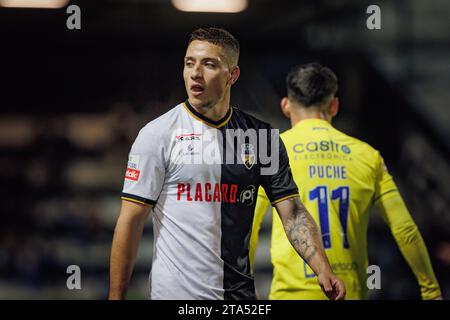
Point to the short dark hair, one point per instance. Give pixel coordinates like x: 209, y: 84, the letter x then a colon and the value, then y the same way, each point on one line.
x: 311, y: 84
x: 219, y: 37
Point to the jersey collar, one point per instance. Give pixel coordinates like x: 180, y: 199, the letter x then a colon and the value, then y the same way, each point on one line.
x: 312, y: 123
x: 216, y: 124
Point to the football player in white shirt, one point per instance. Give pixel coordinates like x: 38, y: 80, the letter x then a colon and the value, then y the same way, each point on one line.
x: 202, y: 205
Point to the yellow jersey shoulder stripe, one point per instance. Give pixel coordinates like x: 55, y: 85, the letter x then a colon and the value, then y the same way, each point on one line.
x: 284, y: 198
x: 136, y: 201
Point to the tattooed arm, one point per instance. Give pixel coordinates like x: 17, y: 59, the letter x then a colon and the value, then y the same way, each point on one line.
x: 303, y: 234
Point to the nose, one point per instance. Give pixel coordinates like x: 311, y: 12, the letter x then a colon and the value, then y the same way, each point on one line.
x: 196, y: 72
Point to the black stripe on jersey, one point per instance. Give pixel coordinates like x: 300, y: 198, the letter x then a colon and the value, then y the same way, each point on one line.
x: 381, y: 195
x: 237, y: 218
x: 134, y: 198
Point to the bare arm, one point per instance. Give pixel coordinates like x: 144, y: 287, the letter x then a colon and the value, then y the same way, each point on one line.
x: 127, y: 235
x: 303, y: 234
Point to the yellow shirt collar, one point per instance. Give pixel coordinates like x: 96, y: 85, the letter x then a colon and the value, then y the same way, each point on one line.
x: 308, y: 123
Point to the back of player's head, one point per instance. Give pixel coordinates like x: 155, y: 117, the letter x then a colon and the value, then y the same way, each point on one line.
x: 219, y: 37
x: 311, y: 85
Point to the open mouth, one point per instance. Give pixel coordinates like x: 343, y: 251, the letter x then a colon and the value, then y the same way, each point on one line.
x: 197, y: 89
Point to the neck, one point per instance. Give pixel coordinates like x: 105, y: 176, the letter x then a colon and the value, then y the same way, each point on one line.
x: 299, y: 114
x: 214, y: 111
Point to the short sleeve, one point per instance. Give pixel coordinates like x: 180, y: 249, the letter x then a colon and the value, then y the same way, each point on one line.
x: 145, y: 174
x: 280, y: 185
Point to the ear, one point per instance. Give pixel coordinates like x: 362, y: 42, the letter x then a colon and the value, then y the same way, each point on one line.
x: 285, y: 107
x: 334, y: 107
x: 235, y: 73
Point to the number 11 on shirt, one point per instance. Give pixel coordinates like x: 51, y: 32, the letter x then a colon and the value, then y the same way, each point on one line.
x: 342, y: 194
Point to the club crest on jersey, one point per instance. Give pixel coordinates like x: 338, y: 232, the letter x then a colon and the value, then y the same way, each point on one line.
x: 248, y: 155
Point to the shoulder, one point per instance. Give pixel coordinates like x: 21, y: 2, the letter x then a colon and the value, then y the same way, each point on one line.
x: 360, y: 147
x: 249, y: 120
x: 157, y: 129
x: 160, y: 124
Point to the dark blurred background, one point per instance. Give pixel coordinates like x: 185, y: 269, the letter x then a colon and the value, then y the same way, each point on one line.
x: 72, y: 102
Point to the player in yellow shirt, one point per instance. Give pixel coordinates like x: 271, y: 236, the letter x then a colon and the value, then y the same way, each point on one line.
x: 339, y: 178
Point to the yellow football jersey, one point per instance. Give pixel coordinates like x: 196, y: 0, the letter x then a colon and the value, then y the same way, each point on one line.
x: 339, y: 178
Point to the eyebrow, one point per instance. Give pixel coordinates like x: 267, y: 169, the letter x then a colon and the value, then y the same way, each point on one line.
x: 203, y: 59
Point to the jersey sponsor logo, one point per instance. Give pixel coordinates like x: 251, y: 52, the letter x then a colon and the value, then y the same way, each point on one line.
x: 188, y: 137
x: 207, y: 192
x: 133, y: 161
x: 247, y: 195
x: 188, y: 150
x: 343, y: 267
x: 132, y: 174
x: 321, y: 146
x: 248, y: 155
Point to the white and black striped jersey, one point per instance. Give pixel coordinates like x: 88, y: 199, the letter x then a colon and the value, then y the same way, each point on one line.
x: 203, y: 202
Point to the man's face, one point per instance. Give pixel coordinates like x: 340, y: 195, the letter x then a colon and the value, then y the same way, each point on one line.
x: 206, y: 73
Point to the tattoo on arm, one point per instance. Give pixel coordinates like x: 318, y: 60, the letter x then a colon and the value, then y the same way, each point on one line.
x: 302, y: 231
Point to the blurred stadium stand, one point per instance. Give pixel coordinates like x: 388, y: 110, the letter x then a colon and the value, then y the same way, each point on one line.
x: 72, y: 103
